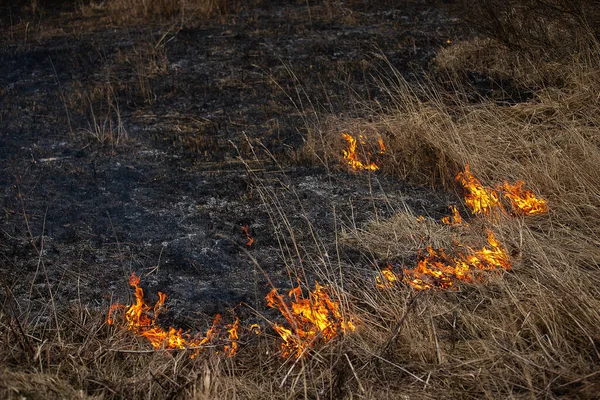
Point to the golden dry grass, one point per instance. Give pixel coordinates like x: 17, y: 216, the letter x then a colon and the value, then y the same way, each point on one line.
x: 531, y: 332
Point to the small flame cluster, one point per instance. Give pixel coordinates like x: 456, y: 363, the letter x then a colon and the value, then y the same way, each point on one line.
x: 309, y: 319
x: 454, y: 219
x: 523, y: 201
x: 141, y: 319
x: 486, y: 201
x: 437, y: 269
x: 387, y: 278
x: 351, y: 155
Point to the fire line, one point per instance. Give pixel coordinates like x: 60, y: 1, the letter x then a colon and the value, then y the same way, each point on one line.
x: 141, y: 319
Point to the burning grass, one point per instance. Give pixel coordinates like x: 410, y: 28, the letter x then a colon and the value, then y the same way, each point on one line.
x: 436, y: 269
x: 486, y: 201
x: 141, y: 319
x: 533, y: 181
x: 532, y: 333
x: 351, y: 155
x: 310, y: 319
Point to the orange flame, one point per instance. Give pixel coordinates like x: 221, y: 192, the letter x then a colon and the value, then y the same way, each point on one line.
x: 230, y: 350
x: 480, y: 199
x: 309, y: 318
x: 255, y: 328
x: 455, y: 219
x: 486, y: 201
x: 248, y: 236
x: 441, y: 271
x: 438, y: 270
x: 141, y: 323
x: 381, y: 146
x: 352, y: 156
x: 523, y: 201
x: 211, y: 333
x: 389, y: 278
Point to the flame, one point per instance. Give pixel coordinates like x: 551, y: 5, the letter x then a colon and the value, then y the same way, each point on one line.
x: 230, y: 350
x: 523, y: 201
x: 480, y: 199
x: 381, y: 146
x: 255, y: 328
x: 309, y: 318
x: 352, y: 156
x: 438, y: 270
x: 248, y: 236
x: 486, y: 201
x: 211, y: 333
x: 389, y: 276
x: 455, y: 219
x: 140, y: 321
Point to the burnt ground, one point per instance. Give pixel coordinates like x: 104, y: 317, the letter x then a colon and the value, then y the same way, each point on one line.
x: 127, y: 147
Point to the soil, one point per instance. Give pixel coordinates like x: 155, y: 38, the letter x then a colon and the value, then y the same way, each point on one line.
x: 147, y: 146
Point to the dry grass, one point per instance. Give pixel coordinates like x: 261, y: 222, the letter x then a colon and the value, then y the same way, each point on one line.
x: 530, y: 333
x: 533, y: 333
x: 126, y: 78
x: 494, y: 59
x: 547, y: 28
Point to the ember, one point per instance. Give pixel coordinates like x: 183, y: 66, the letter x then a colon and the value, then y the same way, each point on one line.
x: 248, y: 236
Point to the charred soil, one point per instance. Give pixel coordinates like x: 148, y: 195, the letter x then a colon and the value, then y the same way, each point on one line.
x: 143, y: 147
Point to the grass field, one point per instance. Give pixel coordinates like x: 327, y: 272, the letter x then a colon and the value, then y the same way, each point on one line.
x: 531, y: 331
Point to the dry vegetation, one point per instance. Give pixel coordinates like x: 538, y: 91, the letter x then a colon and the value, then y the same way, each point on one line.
x: 547, y: 28
x: 95, y: 103
x: 532, y: 333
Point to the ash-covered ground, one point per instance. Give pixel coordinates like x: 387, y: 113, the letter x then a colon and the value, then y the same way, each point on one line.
x: 128, y: 147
